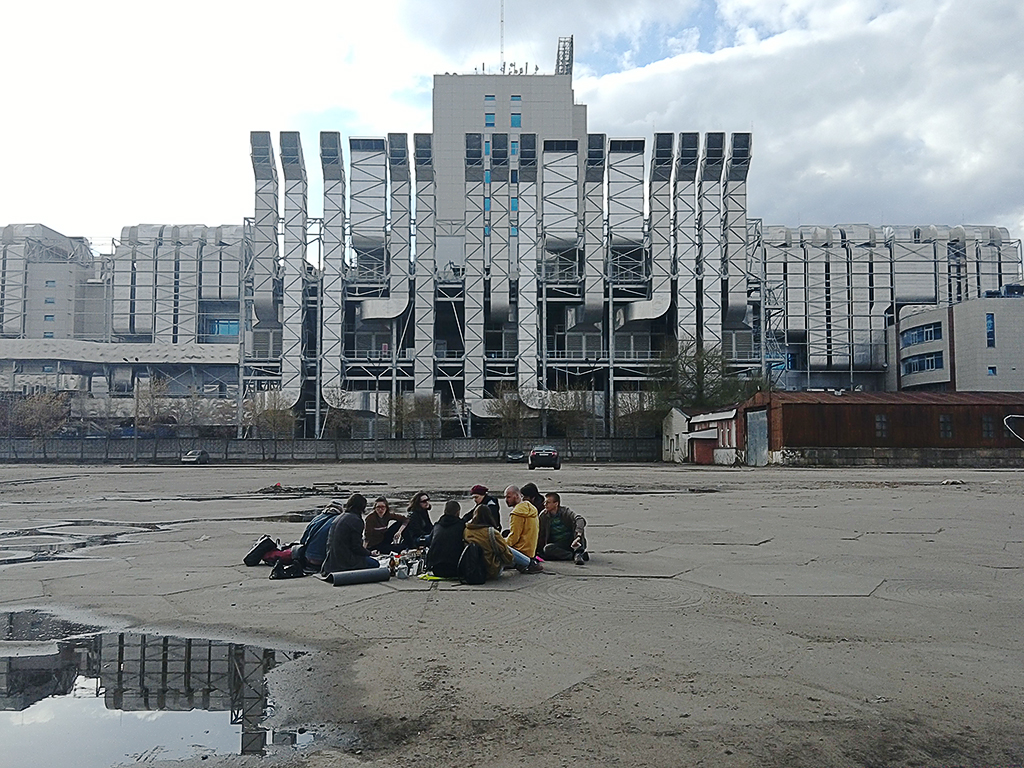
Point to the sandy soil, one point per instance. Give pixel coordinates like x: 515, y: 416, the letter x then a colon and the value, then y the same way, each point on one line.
x: 728, y: 617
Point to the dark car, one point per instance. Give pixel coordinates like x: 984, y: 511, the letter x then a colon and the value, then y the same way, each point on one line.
x: 196, y: 457
x: 515, y: 456
x: 544, y: 456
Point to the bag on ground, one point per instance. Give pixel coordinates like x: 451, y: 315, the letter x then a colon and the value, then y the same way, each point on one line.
x: 472, y: 565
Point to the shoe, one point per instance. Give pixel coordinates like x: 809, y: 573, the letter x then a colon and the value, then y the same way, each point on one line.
x: 259, y: 549
x: 533, y: 567
x: 278, y: 572
x: 586, y: 556
x: 578, y: 559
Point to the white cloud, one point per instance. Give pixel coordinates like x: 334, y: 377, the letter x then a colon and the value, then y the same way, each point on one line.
x: 909, y: 111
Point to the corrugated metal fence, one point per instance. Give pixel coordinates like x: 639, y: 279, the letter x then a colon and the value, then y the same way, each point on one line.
x: 161, y: 450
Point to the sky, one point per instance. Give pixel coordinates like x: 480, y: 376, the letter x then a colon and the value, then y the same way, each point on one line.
x: 883, y: 112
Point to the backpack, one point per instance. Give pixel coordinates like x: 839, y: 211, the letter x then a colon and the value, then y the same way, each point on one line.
x: 472, y: 565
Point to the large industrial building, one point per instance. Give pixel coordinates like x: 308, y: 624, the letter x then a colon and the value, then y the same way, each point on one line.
x: 508, y: 251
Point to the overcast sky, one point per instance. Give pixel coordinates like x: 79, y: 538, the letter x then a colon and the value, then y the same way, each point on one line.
x: 874, y: 111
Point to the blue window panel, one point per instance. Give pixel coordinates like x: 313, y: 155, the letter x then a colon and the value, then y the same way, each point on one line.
x: 487, y: 231
x: 489, y: 120
x: 513, y: 231
x: 489, y: 97
x: 514, y: 177
x: 222, y: 327
x: 487, y: 203
x: 992, y: 370
x: 48, y: 318
x: 49, y: 300
x: 47, y: 369
x: 487, y: 148
x: 514, y: 204
x: 517, y: 120
x: 47, y: 334
x: 990, y: 329
x: 515, y: 147
x: 516, y: 97
x: 487, y: 177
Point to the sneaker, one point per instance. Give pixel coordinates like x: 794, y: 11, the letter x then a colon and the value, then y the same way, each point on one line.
x: 533, y: 567
x: 578, y: 559
x: 259, y: 549
x: 278, y: 571
x: 586, y: 556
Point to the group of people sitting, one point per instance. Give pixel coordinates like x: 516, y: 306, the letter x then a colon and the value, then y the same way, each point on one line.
x: 340, y: 539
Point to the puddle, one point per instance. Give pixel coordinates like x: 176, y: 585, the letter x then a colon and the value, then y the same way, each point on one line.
x: 117, y: 697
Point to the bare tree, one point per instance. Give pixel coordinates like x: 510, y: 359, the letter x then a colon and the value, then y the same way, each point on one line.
x: 699, y: 377
x: 40, y: 416
x: 510, y: 411
x: 569, y: 411
x: 268, y: 414
x: 638, y: 414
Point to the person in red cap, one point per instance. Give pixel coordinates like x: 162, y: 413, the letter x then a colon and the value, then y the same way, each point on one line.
x: 480, y: 496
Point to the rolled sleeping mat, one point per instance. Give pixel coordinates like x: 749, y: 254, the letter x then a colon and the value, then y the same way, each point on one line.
x: 361, y: 576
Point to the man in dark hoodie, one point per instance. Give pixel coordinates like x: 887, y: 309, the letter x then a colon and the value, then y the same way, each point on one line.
x: 345, y: 550
x: 446, y: 542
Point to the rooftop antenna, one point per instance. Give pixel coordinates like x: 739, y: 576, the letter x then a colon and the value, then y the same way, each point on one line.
x: 502, y: 25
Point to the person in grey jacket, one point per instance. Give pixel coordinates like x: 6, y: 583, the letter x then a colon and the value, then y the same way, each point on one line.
x: 345, y: 550
x: 561, y: 535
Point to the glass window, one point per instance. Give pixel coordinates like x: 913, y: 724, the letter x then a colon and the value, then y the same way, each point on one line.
x: 487, y: 177
x: 517, y: 120
x: 48, y: 318
x: 49, y: 300
x: 516, y: 97
x: 489, y: 97
x: 945, y: 426
x: 515, y: 147
x: 222, y: 327
x: 513, y: 231
x: 514, y: 204
x: 931, y: 361
x: 487, y: 148
x: 487, y: 231
x: 988, y: 426
x: 487, y: 203
x: 489, y: 120
x: 514, y: 177
x: 991, y: 370
x: 47, y: 369
x: 47, y: 334
x: 920, y: 334
x: 51, y: 283
x: 881, y: 425
x: 990, y: 329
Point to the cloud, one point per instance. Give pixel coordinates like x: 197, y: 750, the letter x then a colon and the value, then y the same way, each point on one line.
x: 904, y: 111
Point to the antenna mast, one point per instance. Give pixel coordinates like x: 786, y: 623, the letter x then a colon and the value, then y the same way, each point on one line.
x: 502, y: 25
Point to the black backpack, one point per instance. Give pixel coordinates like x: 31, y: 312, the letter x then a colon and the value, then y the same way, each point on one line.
x: 472, y: 565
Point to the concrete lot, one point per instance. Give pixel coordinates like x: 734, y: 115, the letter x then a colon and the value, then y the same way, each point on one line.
x: 728, y: 617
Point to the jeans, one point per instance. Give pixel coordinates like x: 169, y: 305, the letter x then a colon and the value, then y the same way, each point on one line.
x: 519, y: 560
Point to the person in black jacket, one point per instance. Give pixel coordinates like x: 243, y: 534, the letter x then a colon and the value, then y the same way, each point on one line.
x: 532, y: 495
x: 416, y: 531
x: 345, y: 550
x: 446, y: 542
x: 481, y: 496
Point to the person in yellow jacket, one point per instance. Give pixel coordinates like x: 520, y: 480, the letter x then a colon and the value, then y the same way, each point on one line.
x: 525, y: 528
x: 497, y: 552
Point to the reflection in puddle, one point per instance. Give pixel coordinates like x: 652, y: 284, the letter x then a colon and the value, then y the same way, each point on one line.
x: 117, y: 696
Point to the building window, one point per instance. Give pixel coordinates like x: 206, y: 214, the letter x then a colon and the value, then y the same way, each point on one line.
x: 487, y: 148
x: 513, y: 231
x: 47, y: 369
x: 487, y: 231
x: 49, y: 300
x: 47, y: 334
x: 945, y: 427
x: 881, y: 425
x: 516, y: 97
x: 990, y: 329
x: 51, y: 283
x: 489, y: 97
x: 489, y: 120
x: 515, y: 147
x: 988, y: 426
x: 931, y: 361
x: 222, y: 327
x: 487, y: 177
x: 487, y: 203
x: 920, y: 334
x: 517, y: 120
x: 991, y: 370
x: 514, y: 176
x: 514, y: 204
x: 48, y: 318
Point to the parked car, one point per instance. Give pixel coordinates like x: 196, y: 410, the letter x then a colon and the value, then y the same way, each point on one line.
x: 544, y: 456
x: 515, y: 456
x: 196, y: 457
